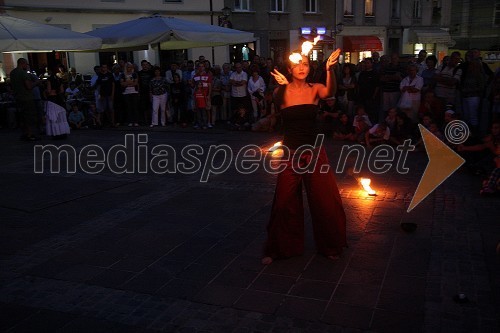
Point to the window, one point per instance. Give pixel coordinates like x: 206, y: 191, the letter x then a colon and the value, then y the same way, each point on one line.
x: 417, y: 9
x: 311, y: 6
x: 277, y: 5
x: 496, y: 18
x: 396, y: 9
x: 368, y: 7
x: 348, y: 8
x: 241, y: 5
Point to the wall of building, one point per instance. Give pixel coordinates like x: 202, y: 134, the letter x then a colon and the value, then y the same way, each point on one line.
x: 88, y: 15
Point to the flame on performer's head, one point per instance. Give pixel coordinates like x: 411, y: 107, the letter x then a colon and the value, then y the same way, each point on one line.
x: 306, y: 48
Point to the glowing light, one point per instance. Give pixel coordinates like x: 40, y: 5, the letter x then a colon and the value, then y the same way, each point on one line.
x: 306, y: 47
x: 365, y: 182
x: 295, y: 58
x: 276, y: 146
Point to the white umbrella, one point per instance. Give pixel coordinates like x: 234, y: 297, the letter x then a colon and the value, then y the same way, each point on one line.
x: 26, y: 36
x: 172, y: 34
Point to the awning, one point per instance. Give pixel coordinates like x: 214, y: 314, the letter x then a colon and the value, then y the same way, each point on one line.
x: 430, y: 36
x: 323, y: 39
x: 362, y: 43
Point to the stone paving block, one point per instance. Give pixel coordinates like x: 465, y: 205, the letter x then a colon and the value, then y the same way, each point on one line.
x: 346, y: 315
x: 216, y: 257
x: 324, y: 269
x: 149, y: 281
x: 13, y: 314
x: 314, y: 289
x: 111, y: 278
x: 357, y: 294
x: 181, y: 288
x: 397, y: 301
x: 300, y: 308
x: 199, y: 272
x: 292, y: 267
x: 273, y: 283
x: 363, y: 276
x: 49, y: 268
x: 218, y: 295
x: 394, y: 322
x: 235, y: 277
x: 133, y: 263
x: 259, y: 301
x: 79, y: 273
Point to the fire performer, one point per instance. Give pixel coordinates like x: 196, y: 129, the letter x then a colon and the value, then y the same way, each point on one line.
x: 298, y: 101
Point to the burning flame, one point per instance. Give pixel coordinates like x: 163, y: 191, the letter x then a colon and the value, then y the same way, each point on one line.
x: 276, y: 146
x: 276, y: 150
x: 306, y: 48
x: 365, y: 182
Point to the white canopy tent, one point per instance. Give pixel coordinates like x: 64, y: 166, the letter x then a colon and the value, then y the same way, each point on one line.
x: 169, y: 32
x: 18, y: 35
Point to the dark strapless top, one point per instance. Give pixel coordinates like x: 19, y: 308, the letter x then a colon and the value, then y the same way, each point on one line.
x: 299, y: 122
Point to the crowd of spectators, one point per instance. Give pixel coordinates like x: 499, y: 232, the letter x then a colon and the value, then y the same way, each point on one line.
x: 381, y: 100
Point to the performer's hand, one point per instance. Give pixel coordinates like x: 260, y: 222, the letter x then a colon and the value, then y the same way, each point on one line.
x: 280, y: 78
x: 332, y: 59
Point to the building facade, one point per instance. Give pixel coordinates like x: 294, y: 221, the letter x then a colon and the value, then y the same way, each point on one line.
x: 358, y: 27
x: 84, y: 16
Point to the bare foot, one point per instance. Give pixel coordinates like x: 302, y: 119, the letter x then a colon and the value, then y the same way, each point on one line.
x: 266, y: 260
x: 336, y: 257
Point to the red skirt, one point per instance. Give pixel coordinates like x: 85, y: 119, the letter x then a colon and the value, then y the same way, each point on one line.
x: 286, y: 225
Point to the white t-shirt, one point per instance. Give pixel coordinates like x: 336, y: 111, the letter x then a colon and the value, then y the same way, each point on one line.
x: 239, y: 91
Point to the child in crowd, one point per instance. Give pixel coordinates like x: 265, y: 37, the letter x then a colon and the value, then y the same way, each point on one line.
x: 361, y: 124
x: 434, y: 129
x: 402, y: 131
x: 343, y: 130
x: 93, y: 117
x: 240, y: 120
x: 72, y: 94
x: 391, y: 120
x: 75, y: 117
x: 201, y: 105
x: 378, y: 134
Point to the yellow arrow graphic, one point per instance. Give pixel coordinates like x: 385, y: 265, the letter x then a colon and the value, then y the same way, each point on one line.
x: 443, y: 162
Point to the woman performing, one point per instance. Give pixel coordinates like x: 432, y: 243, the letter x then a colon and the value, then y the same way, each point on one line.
x: 298, y: 101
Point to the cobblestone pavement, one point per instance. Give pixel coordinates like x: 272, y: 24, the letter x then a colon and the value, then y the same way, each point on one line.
x: 146, y: 252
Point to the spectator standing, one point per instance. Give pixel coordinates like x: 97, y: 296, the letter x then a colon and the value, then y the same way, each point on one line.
x: 158, y: 87
x: 390, y: 79
x: 54, y: 89
x: 145, y: 75
x: 22, y: 86
x: 106, y: 84
x: 178, y: 98
x: 346, y: 92
x: 130, y: 84
x: 238, y: 80
x: 226, y: 91
x: 256, y: 88
x: 118, y: 105
x: 410, y: 87
x: 368, y: 87
x: 447, y: 80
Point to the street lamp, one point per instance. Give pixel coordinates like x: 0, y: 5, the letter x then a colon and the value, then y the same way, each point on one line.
x: 224, y: 18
